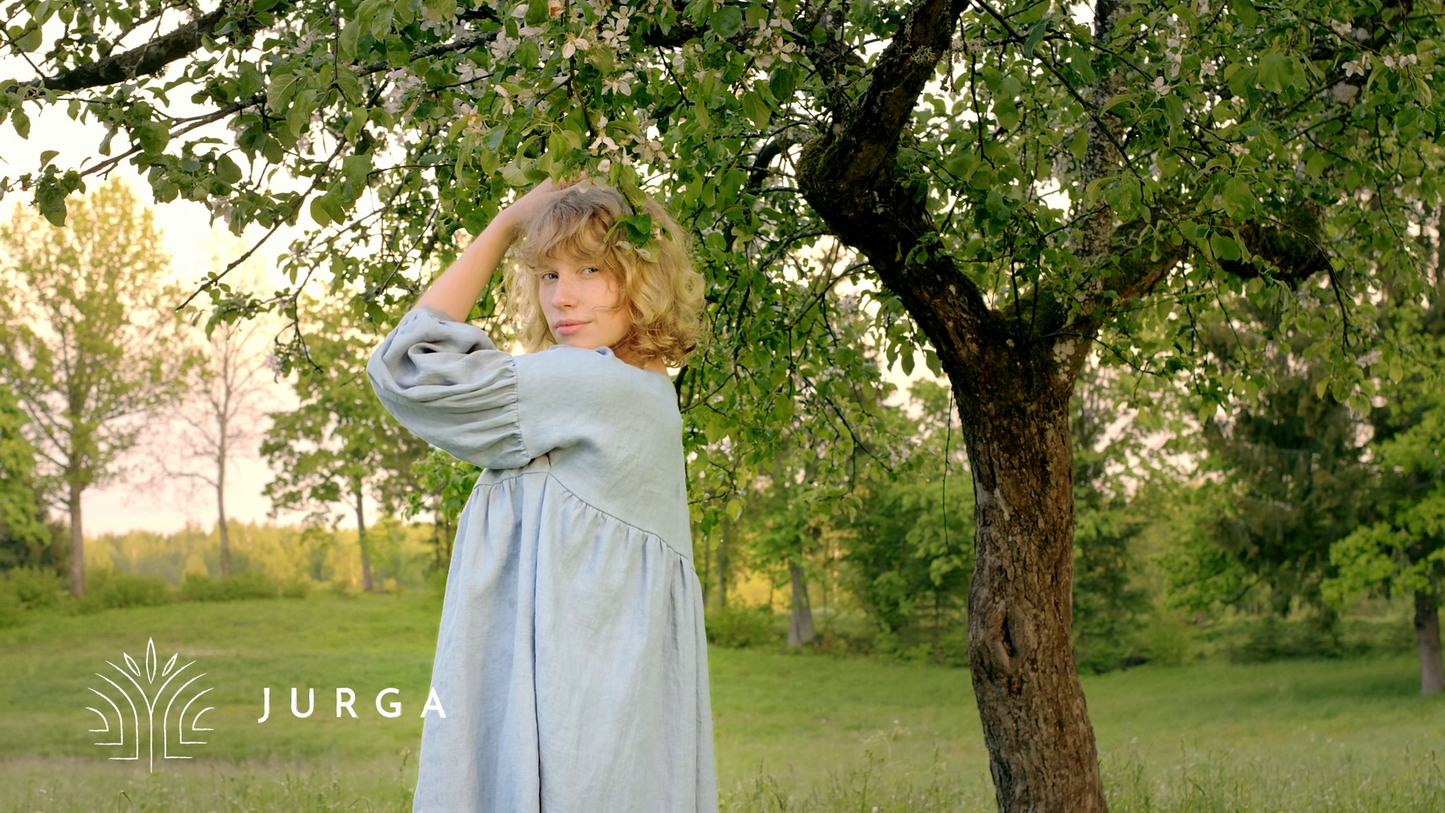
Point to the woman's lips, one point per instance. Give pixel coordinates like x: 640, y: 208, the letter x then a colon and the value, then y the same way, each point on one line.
x: 568, y: 328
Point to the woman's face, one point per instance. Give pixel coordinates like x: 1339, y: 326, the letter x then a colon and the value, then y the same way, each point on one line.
x: 582, y: 304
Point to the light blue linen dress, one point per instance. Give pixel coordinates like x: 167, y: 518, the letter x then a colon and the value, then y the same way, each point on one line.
x: 571, y: 661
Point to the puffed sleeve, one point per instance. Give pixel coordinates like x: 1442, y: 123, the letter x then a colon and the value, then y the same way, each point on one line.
x: 449, y: 384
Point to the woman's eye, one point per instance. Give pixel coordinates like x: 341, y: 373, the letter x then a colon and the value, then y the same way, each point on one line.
x: 589, y: 270
x: 549, y: 276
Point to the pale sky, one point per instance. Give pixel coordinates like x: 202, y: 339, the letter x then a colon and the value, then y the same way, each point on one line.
x: 189, y: 240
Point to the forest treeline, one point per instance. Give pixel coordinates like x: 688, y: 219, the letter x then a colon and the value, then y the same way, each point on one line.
x: 1293, y: 520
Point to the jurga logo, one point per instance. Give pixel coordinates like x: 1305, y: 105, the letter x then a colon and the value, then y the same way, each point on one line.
x: 175, y: 716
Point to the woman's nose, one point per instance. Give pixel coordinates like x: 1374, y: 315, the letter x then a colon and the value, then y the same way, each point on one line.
x: 563, y: 295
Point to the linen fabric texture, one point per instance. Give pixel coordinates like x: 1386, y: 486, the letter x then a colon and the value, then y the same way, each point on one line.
x: 571, y: 660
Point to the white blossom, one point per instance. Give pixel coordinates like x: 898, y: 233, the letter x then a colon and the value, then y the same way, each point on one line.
x: 503, y: 47
x: 619, y: 85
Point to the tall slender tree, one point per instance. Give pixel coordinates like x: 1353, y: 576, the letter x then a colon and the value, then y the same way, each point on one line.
x: 90, y: 342
x: 228, y: 393
x: 339, y: 445
x: 1401, y: 549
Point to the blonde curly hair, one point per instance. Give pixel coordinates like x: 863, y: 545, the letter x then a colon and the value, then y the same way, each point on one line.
x: 662, y: 293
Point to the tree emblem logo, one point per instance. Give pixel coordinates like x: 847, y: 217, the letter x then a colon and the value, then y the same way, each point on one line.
x: 175, y: 716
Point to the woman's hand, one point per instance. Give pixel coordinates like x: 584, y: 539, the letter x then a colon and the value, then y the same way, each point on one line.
x: 457, y: 289
x: 523, y: 208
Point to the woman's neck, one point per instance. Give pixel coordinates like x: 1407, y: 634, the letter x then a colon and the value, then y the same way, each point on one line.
x: 651, y: 365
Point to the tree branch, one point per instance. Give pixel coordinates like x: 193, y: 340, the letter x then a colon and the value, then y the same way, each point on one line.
x: 847, y: 173
x: 149, y: 58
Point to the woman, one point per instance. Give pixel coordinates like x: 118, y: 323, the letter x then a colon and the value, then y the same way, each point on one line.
x: 571, y: 662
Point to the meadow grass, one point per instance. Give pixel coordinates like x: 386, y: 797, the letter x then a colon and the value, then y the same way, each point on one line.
x: 793, y: 732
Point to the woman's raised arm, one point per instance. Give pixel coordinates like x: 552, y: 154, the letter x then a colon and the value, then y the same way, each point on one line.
x: 459, y: 287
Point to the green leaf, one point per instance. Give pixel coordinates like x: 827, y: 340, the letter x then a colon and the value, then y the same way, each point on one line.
x: 31, y: 40
x: 536, y: 12
x: 283, y: 86
x: 1240, y: 83
x: 227, y: 170
x: 56, y: 214
x: 781, y: 84
x: 639, y: 229
x: 1081, y: 61
x: 1036, y: 35
x: 1274, y: 69
x: 1006, y: 112
x: 1245, y: 12
x: 726, y: 21
x: 514, y: 175
x: 756, y: 109
x: 1174, y: 110
x: 1238, y: 199
x: 318, y: 212
x: 1118, y: 100
x: 1224, y: 248
x: 1079, y: 145
x: 153, y: 136
x: 346, y: 43
x: 528, y: 55
x: 21, y: 123
x: 356, y: 168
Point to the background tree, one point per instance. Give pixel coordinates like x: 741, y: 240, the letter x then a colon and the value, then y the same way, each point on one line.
x: 443, y: 485
x: 910, y: 551
x: 226, y: 397
x: 1289, y: 459
x: 24, y: 539
x: 89, y: 341
x: 227, y: 394
x: 1016, y: 183
x: 1401, y: 548
x: 1110, y: 462
x: 339, y: 445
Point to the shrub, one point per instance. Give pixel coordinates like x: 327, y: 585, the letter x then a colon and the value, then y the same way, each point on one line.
x: 953, y: 647
x: 739, y: 628
x: 11, y: 611
x: 1271, y: 638
x: 298, y: 587
x: 112, y: 589
x: 243, y: 585
x: 1168, y: 638
x: 34, y: 587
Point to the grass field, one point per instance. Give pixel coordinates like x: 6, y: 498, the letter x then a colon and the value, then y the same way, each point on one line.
x: 793, y: 732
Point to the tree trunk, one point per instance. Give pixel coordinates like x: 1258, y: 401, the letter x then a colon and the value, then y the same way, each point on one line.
x: 77, y: 544
x: 1012, y: 370
x: 225, y: 533
x: 1427, y: 637
x: 722, y: 562
x: 800, y: 626
x: 361, y: 540
x: 1020, y: 611
x: 221, y: 480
